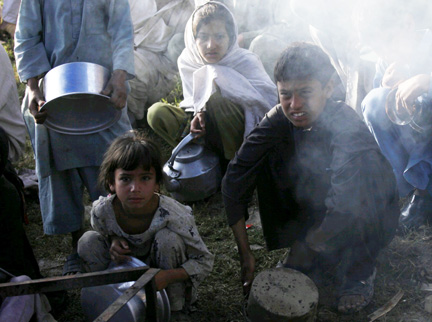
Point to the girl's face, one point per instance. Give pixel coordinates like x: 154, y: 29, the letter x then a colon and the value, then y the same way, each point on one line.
x: 213, y: 41
x: 135, y: 189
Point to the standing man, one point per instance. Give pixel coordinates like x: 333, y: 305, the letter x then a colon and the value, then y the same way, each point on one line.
x: 51, y: 33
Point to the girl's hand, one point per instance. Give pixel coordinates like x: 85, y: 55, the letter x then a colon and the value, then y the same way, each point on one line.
x: 161, y: 279
x: 198, y: 124
x: 119, y: 250
x: 169, y: 276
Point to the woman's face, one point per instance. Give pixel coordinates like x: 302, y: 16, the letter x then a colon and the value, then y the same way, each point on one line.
x: 213, y: 41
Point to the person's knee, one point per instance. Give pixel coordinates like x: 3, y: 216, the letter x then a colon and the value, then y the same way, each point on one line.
x: 169, y: 249
x: 88, y: 242
x: 168, y: 241
x: 21, y: 278
x: 374, y: 103
x: 154, y: 114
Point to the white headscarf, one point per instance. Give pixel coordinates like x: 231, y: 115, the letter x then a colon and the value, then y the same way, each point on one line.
x: 239, y: 75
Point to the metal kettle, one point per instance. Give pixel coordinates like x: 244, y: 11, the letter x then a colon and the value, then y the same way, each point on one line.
x: 192, y: 172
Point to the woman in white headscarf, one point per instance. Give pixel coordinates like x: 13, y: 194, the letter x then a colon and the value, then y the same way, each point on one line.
x: 225, y: 86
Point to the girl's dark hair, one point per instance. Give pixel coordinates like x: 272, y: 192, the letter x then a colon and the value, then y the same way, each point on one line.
x: 301, y: 61
x: 213, y: 11
x: 129, y: 152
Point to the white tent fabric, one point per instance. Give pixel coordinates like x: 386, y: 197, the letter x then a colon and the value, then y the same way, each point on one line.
x: 155, y: 23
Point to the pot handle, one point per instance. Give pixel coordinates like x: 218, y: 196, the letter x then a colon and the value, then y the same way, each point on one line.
x: 188, y: 138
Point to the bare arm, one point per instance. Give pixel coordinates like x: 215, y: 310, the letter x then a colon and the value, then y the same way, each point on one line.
x: 170, y: 276
x: 247, y: 260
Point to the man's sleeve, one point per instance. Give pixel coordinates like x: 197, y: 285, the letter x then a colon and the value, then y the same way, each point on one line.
x: 30, y: 53
x: 240, y: 179
x: 121, y: 31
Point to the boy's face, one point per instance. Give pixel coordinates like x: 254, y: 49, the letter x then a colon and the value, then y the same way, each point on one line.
x: 303, y: 100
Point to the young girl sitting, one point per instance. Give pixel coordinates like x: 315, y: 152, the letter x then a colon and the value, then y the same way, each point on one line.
x: 135, y: 220
x: 225, y: 87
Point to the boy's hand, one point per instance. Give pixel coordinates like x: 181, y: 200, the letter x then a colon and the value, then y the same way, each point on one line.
x: 119, y: 250
x: 36, y: 101
x: 116, y: 89
x: 198, y: 124
x: 247, y: 262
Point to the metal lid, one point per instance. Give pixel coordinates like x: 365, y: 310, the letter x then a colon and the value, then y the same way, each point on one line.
x: 190, y: 153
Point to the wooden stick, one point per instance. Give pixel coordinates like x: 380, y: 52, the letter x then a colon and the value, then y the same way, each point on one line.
x: 383, y: 310
x: 148, y: 277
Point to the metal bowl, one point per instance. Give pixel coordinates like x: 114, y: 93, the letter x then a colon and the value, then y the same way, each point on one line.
x: 95, y: 299
x: 73, y: 100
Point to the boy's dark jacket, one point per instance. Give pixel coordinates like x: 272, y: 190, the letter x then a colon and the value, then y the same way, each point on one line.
x: 332, y: 175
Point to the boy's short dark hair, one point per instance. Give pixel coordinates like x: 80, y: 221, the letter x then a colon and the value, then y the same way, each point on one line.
x: 129, y: 152
x: 301, y: 61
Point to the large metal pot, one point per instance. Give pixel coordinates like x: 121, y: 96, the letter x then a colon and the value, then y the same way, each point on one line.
x: 193, y: 172
x: 73, y: 100
x: 95, y: 300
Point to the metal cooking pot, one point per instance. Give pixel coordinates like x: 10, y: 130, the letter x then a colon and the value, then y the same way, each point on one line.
x: 73, y: 100
x: 96, y: 299
x: 193, y: 172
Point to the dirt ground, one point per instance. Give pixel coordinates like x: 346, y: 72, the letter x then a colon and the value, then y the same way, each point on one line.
x: 406, y: 265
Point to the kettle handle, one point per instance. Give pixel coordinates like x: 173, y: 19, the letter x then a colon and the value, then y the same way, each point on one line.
x: 188, y: 138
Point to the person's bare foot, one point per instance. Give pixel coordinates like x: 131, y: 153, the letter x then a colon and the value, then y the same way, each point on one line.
x: 351, y: 303
x: 357, y: 295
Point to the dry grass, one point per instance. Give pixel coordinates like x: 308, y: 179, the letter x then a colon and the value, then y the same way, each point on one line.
x: 403, y: 265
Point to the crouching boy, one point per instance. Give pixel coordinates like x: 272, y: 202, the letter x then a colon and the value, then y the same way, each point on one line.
x: 324, y: 188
